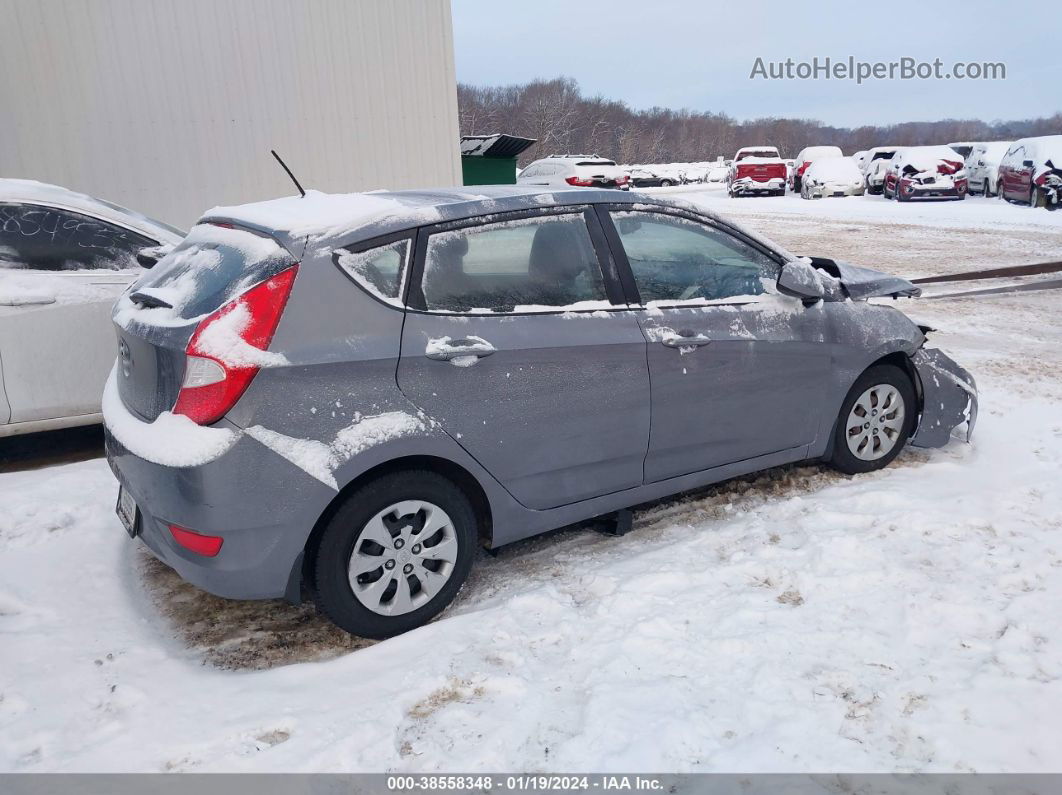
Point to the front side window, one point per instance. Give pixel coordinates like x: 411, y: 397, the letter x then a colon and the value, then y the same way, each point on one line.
x: 378, y: 270
x: 46, y: 238
x: 522, y: 265
x: 677, y: 259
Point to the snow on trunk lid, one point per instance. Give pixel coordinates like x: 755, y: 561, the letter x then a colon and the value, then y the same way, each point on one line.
x: 158, y: 314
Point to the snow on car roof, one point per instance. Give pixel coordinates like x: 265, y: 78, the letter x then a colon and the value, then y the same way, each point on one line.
x: 331, y: 220
x: 1046, y: 147
x: 810, y: 152
x: 927, y: 153
x: 28, y: 190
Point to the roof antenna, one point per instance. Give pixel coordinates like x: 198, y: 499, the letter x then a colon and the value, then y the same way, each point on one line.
x: 284, y: 166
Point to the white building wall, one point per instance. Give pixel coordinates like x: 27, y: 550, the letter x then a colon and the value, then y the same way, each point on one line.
x: 171, y: 106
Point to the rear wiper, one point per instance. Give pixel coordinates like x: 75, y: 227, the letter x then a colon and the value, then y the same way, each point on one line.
x: 149, y: 301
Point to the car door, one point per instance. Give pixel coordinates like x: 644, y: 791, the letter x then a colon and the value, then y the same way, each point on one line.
x: 1009, y: 172
x: 737, y: 370
x: 60, y: 273
x: 518, y: 342
x: 975, y: 168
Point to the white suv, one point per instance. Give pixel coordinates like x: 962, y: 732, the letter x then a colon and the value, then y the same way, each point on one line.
x: 578, y: 171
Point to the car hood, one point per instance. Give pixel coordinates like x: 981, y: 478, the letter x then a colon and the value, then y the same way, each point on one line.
x: 862, y: 283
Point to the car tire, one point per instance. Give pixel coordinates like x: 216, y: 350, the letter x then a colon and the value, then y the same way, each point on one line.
x: 347, y: 545
x: 1037, y: 198
x: 665, y: 183
x: 857, y: 450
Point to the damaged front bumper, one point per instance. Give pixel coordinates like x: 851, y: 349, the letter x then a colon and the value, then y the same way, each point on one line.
x: 949, y: 398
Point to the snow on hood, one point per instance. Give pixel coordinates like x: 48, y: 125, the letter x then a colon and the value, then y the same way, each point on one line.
x: 834, y: 169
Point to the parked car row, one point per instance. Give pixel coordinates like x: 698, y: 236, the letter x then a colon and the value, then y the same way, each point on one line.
x: 1027, y: 171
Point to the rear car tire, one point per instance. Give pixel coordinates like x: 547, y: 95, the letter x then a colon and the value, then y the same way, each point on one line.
x: 395, y: 554
x: 875, y: 421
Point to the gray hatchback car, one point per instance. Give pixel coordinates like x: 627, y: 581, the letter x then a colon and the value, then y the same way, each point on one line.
x: 344, y: 396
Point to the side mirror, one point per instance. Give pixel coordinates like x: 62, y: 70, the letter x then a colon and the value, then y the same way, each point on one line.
x: 149, y: 257
x: 1027, y: 163
x: 801, y: 280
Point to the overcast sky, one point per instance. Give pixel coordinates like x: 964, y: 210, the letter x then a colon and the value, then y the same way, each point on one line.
x: 699, y: 54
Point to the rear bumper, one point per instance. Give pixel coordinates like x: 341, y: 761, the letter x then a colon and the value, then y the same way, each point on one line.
x: 949, y: 398
x: 750, y: 185
x: 264, y: 527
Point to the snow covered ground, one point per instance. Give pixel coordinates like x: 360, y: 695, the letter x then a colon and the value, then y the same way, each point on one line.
x: 796, y: 621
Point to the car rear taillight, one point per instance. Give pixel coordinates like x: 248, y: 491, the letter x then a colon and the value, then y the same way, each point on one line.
x: 207, y: 546
x: 214, y: 381
x: 579, y: 182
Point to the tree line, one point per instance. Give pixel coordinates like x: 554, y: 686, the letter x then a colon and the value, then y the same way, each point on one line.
x: 564, y: 121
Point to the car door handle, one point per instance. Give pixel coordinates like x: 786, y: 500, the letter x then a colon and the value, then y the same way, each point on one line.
x: 685, y: 339
x: 446, y: 349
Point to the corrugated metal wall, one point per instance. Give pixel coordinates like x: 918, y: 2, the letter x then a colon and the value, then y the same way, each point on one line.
x: 171, y: 106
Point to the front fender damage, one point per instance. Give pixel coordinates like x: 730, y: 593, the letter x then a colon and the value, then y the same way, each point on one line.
x: 949, y: 398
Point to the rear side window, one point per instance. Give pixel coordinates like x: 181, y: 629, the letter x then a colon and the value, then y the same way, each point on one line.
x: 504, y: 267
x: 378, y: 270
x: 46, y: 238
x: 212, y: 266
x: 676, y: 259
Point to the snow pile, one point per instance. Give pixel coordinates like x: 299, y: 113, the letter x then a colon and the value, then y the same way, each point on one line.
x: 320, y: 460
x: 172, y: 440
x: 223, y: 340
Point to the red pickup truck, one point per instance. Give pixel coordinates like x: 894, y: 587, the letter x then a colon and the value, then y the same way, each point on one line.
x: 756, y: 170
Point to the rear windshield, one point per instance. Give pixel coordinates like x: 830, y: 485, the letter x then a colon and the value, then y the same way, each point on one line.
x: 209, y: 268
x: 596, y: 163
x: 886, y: 155
x: 757, y: 153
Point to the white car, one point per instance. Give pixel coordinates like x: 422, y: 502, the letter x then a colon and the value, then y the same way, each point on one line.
x: 576, y: 171
x: 64, y: 259
x: 875, y: 162
x: 831, y: 176
x: 982, y: 166
x: 805, y: 158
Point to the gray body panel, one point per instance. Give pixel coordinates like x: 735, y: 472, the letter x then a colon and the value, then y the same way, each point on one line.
x: 573, y: 415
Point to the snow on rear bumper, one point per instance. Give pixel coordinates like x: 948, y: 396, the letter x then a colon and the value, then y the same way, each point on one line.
x: 750, y: 185
x: 949, y: 398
